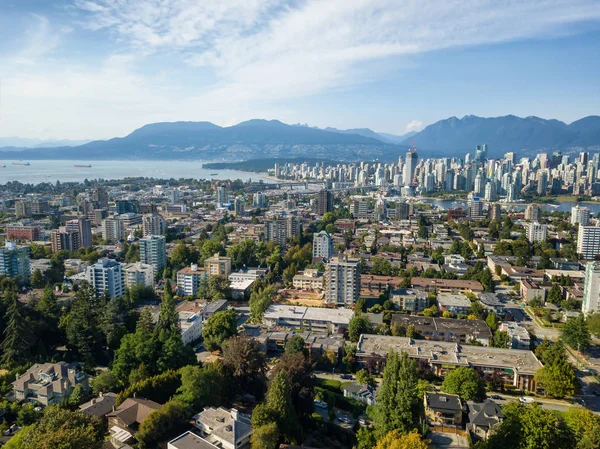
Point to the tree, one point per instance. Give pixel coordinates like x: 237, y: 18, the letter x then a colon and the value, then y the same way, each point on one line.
x: 279, y: 402
x: 466, y: 383
x: 501, y: 339
x: 555, y: 294
x: 180, y: 256
x: 202, y: 386
x: 219, y: 287
x: 219, y: 327
x: 158, y: 423
x: 585, y: 426
x: 105, y: 382
x: 61, y: 428
x: 247, y: 363
x: 397, y: 401
x: 296, y: 344
x: 397, y: 440
x: 557, y: 379
x: 431, y: 311
x: 411, y: 331
x: 260, y: 300
x: 299, y: 370
x: 593, y: 322
x: 363, y: 377
x: 37, y: 279
x: 168, y: 318
x: 15, y: 346
x: 492, y: 321
x: 575, y: 333
x: 358, y: 325
x: 265, y: 437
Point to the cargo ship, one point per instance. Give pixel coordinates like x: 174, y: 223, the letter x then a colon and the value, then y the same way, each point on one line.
x: 83, y: 166
x: 21, y: 163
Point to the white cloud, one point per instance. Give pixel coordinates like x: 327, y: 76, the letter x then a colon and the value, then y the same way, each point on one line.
x: 40, y: 40
x: 415, y: 125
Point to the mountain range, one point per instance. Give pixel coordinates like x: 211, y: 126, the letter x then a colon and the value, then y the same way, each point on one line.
x: 271, y: 138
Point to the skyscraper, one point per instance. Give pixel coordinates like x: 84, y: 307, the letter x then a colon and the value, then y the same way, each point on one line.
x: 580, y: 215
x: 84, y: 227
x: 409, y: 167
x: 591, y: 289
x: 342, y: 281
x: 588, y: 241
x: 324, y: 202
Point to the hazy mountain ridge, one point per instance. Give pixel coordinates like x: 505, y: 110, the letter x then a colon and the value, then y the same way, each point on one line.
x: 271, y: 138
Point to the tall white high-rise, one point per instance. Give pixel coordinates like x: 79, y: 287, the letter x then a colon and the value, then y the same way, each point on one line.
x: 322, y: 245
x: 342, y: 281
x: 537, y: 232
x: 153, y: 251
x: 106, y: 276
x: 588, y: 241
x: 409, y: 167
x: 591, y: 289
x: 580, y: 215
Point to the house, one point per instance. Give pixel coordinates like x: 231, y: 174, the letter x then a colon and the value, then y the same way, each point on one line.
x: 49, y: 383
x: 190, y: 440
x: 455, y: 304
x: 309, y: 279
x: 226, y: 429
x: 443, y: 409
x: 362, y: 393
x: 484, y: 418
x: 100, y: 406
x: 125, y: 421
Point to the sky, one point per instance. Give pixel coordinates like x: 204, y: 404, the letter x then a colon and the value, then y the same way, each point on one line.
x: 96, y: 69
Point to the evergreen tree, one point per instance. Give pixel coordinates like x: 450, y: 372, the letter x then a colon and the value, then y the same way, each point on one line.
x: 168, y: 318
x: 279, y: 403
x: 15, y: 346
x: 397, y: 401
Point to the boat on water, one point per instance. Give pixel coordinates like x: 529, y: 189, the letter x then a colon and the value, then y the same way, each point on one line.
x: 21, y: 163
x: 213, y: 174
x: 82, y: 166
x: 3, y: 165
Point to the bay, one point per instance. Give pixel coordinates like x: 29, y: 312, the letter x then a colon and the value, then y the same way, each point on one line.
x: 64, y: 171
x: 561, y: 206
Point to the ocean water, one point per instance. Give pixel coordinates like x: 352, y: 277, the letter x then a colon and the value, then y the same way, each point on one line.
x: 64, y: 171
x: 562, y: 206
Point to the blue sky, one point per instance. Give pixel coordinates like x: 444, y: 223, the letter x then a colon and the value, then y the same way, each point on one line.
x: 88, y: 69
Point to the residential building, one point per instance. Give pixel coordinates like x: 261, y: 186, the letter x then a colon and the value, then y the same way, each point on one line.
x: 259, y: 200
x: 446, y: 329
x: 228, y: 429
x: 591, y: 289
x: 100, y: 406
x: 360, y: 209
x: 49, y: 383
x: 63, y: 240
x: 100, y: 197
x: 127, y: 207
x: 484, y: 418
x: 515, y: 367
x: 138, y: 274
x: 537, y: 232
x: 408, y: 170
x: 588, y: 241
x: 520, y: 338
x: 190, y: 325
x: 14, y: 261
x: 238, y: 206
x: 16, y: 233
x: 309, y: 279
x: 190, y: 440
x: 443, y: 409
x: 84, y: 227
x: 153, y: 251
x: 281, y: 229
x: 113, y: 229
x: 213, y: 307
x: 314, y: 319
x: 222, y: 196
x: 218, y: 265
x: 533, y: 213
x: 153, y: 224
x: 106, y: 276
x: 455, y: 304
x: 453, y: 286
x: 580, y: 215
x: 361, y: 393
x: 324, y: 202
x: 409, y: 299
x: 322, y: 245
x: 492, y: 304
x: 342, y: 281
x: 248, y: 274
x: 531, y: 289
x: 475, y: 208
x: 124, y: 422
x: 188, y: 280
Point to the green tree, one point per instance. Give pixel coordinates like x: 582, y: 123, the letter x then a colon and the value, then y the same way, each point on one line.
x: 399, y: 440
x: 160, y: 422
x: 557, y: 379
x: 105, y: 382
x: 363, y: 377
x: 593, y: 323
x: 247, y: 364
x: 501, y: 339
x: 37, y: 279
x: 575, y: 333
x: 265, y: 437
x: 585, y: 426
x: 279, y: 402
x: 466, y: 383
x: 219, y: 327
x: 219, y: 287
x: 180, y: 256
x: 168, y: 318
x: 555, y: 294
x: 397, y: 402
x: 16, y: 344
x: 296, y: 344
x: 202, y: 386
x: 358, y: 325
x: 492, y: 321
x: 299, y: 370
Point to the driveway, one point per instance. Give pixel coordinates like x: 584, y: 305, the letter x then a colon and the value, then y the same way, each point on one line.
x: 442, y: 440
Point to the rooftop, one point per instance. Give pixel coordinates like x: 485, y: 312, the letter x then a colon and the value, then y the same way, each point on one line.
x: 190, y: 440
x: 443, y: 401
x: 449, y: 300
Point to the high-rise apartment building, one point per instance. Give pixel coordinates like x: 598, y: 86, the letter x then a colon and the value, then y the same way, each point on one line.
x: 153, y: 251
x: 84, y: 227
x: 322, y: 245
x: 100, y: 197
x: 221, y: 197
x: 495, y: 211
x: 591, y: 289
x: 153, y: 224
x: 360, y: 208
x: 65, y: 240
x: 280, y: 230
x: 542, y: 186
x: 259, y: 200
x: 537, y: 232
x: 410, y: 164
x: 580, y: 215
x: 127, y: 206
x: 138, y: 274
x: 588, y: 241
x: 533, y: 213
x: 188, y: 280
x: 106, y: 276
x: 342, y: 281
x: 113, y: 229
x: 475, y: 208
x: 218, y: 265
x: 14, y: 261
x: 324, y: 202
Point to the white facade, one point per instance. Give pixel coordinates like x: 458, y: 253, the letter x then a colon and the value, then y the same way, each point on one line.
x: 322, y: 245
x: 190, y: 324
x: 591, y: 289
x: 588, y: 241
x: 342, y: 281
x: 153, y: 224
x: 153, y: 251
x: 138, y: 273
x: 106, y: 275
x: 537, y: 232
x: 113, y: 229
x: 580, y: 215
x: 188, y: 280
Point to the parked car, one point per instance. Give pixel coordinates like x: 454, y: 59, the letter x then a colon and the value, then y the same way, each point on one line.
x: 320, y: 404
x: 495, y: 397
x: 346, y: 376
x: 526, y: 400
